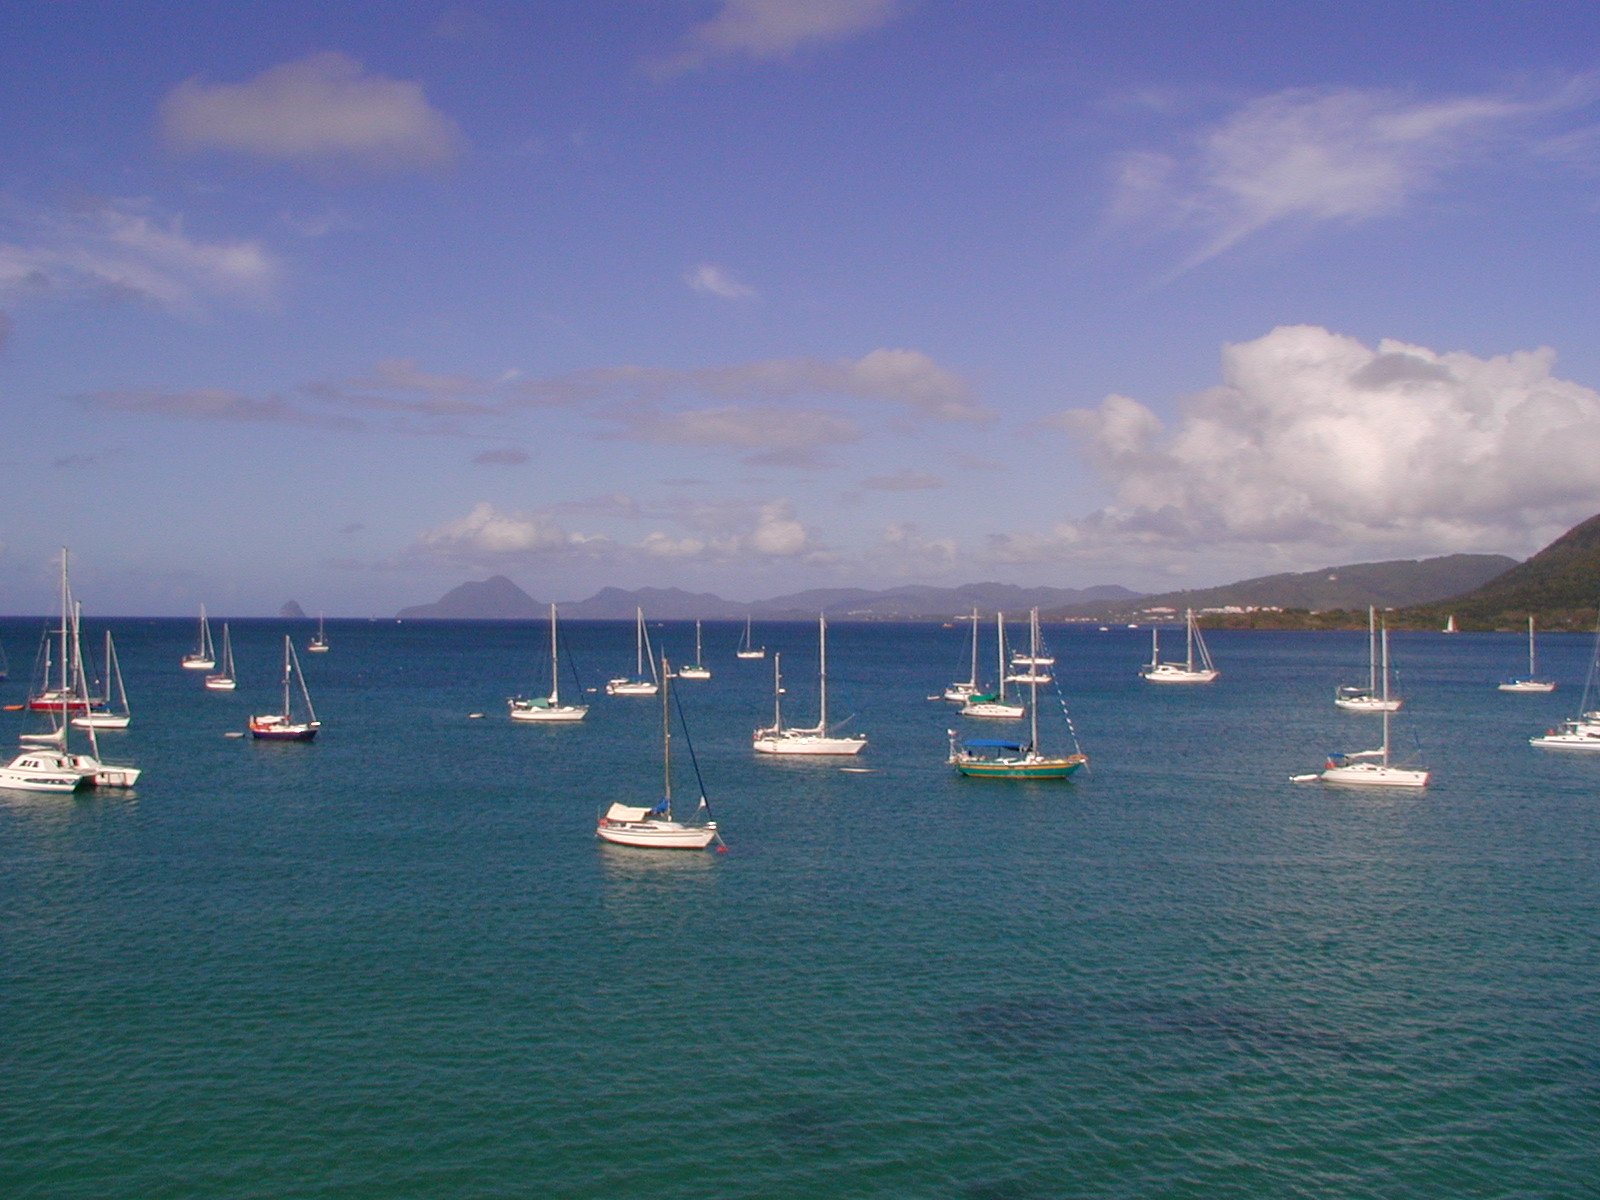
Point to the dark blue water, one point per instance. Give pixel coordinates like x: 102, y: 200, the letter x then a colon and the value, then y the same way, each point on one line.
x: 396, y: 963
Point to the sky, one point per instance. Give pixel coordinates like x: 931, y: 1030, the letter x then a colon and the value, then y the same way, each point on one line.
x: 351, y: 303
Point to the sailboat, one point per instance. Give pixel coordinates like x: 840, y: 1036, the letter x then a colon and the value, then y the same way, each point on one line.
x: 1581, y: 732
x: 224, y: 680
x: 654, y: 828
x: 319, y: 640
x: 781, y: 739
x: 1190, y: 670
x: 1450, y: 625
x: 986, y: 758
x: 1354, y: 697
x: 982, y: 704
x: 1371, y: 768
x: 548, y: 708
x: 1531, y: 681
x: 746, y: 650
x: 636, y: 684
x: 697, y: 669
x: 283, y: 727
x: 204, y: 655
x: 115, y: 714
x: 964, y: 689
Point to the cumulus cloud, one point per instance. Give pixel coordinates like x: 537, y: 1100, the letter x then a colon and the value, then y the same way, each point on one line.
x: 1314, y: 156
x: 1316, y: 440
x: 115, y: 252
x: 321, y: 109
x: 764, y: 30
x: 712, y: 280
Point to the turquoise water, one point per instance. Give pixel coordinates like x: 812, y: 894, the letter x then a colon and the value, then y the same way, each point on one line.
x: 396, y: 962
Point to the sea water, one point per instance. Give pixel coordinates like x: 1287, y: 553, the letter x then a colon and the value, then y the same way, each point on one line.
x: 397, y: 963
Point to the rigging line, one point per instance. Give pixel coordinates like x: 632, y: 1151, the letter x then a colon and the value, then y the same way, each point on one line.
x: 694, y: 759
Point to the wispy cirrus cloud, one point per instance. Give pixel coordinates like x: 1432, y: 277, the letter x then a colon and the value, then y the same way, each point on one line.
x: 1314, y: 156
x: 324, y: 109
x: 768, y: 30
x: 118, y: 252
x: 215, y: 404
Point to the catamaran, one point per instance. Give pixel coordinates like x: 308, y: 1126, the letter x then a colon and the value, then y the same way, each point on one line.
x: 204, y: 655
x: 987, y: 758
x: 994, y: 704
x: 816, y: 739
x: 698, y: 668
x: 548, y: 708
x: 1191, y: 670
x: 636, y: 684
x: 1581, y: 732
x: 654, y: 828
x: 1358, y: 698
x: 285, y: 726
x: 1531, y: 681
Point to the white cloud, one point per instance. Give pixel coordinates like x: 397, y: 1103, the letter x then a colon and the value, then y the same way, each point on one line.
x: 1314, y: 156
x: 763, y: 30
x: 733, y: 532
x: 323, y: 108
x: 115, y: 252
x: 775, y: 436
x: 712, y: 280
x: 1317, y: 441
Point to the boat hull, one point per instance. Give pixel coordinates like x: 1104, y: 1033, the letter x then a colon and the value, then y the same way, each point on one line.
x: 694, y: 672
x: 37, y: 771
x: 523, y: 711
x: 1166, y: 673
x: 994, y: 710
x: 1037, y: 768
x: 805, y: 743
x: 657, y: 835
x: 1375, y: 775
x: 191, y: 663
x: 1368, y: 704
x: 56, y: 701
x: 631, y: 687
x: 750, y: 654
x: 98, y: 720
x: 276, y: 729
x: 1528, y: 685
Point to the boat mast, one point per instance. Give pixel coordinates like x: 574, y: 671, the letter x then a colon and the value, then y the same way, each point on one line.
x: 1532, y: 670
x: 1188, y: 622
x: 555, y: 674
x: 666, y: 737
x: 287, y: 650
x: 1372, y: 650
x: 1033, y: 682
x: 1000, y: 650
x: 638, y: 644
x: 65, y: 604
x: 777, y: 691
x: 822, y: 673
x: 974, y: 678
x: 1386, y: 692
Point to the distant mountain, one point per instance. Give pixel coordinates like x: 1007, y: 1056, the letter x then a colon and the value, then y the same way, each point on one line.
x: 495, y: 599
x: 1397, y: 584
x: 1560, y: 586
x: 500, y: 599
x: 666, y: 604
x: 291, y: 611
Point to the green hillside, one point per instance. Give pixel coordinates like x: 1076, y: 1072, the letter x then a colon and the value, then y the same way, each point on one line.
x: 1560, y: 586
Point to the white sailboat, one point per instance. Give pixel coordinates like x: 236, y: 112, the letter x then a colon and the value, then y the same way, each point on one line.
x: 698, y: 668
x: 1192, y: 669
x: 548, y: 708
x: 1581, y: 732
x: 1371, y: 768
x: 1531, y: 681
x: 964, y: 689
x: 115, y: 714
x: 319, y: 640
x: 636, y: 684
x: 224, y: 680
x: 1356, y: 698
x: 653, y: 828
x: 204, y: 655
x: 746, y: 650
x: 286, y: 726
x: 995, y: 705
x: 781, y: 739
x: 991, y: 759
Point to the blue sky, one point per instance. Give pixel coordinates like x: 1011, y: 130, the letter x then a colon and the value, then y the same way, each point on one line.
x: 350, y: 303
